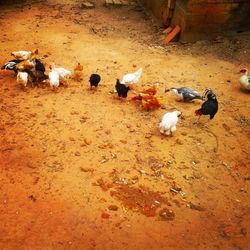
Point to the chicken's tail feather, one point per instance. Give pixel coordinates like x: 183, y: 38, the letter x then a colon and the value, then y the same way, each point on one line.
x: 198, y: 112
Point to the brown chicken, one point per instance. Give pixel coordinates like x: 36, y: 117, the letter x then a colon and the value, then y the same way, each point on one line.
x: 78, y: 72
x: 148, y: 99
x: 150, y: 91
x: 25, y: 65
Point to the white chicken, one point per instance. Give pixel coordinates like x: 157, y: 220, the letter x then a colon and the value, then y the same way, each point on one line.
x: 64, y: 74
x: 245, y: 79
x: 22, y: 78
x: 24, y: 55
x: 132, y: 78
x: 168, y: 123
x: 53, y: 79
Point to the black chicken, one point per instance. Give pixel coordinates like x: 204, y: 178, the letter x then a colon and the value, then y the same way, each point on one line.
x: 37, y: 74
x: 210, y: 106
x: 94, y: 80
x: 121, y: 89
x: 11, y: 65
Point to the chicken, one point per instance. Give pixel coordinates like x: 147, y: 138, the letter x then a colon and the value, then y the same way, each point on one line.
x: 78, y: 71
x: 63, y: 73
x: 185, y: 94
x: 121, y: 89
x: 94, y: 80
x: 168, y: 123
x: 209, y: 107
x: 245, y: 79
x: 26, y: 65
x: 148, y: 98
x: 22, y: 78
x: 151, y: 91
x: 37, y: 73
x: 53, y: 79
x: 132, y: 78
x: 24, y: 55
x: 150, y: 102
x: 11, y: 65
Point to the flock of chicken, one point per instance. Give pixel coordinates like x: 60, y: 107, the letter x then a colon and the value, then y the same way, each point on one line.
x: 30, y: 69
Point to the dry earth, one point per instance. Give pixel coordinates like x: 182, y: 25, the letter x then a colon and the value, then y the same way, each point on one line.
x: 81, y: 169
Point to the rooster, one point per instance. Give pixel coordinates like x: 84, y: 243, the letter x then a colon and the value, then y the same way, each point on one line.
x: 121, y: 89
x: 245, y: 79
x: 132, y: 78
x: 209, y: 107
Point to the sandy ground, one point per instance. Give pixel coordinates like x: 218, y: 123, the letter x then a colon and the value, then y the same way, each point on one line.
x: 81, y: 169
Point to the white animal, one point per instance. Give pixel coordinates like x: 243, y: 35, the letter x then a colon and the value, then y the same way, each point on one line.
x: 53, y: 79
x: 24, y: 55
x: 64, y: 74
x: 22, y: 78
x: 132, y: 78
x: 245, y: 79
x: 169, y: 121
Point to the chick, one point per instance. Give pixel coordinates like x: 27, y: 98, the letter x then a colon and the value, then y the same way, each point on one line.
x: 78, y: 72
x: 94, y: 80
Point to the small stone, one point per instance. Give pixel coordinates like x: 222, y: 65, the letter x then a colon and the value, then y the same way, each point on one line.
x: 166, y: 214
x: 77, y: 153
x: 148, y: 136
x: 113, y: 208
x: 87, y: 5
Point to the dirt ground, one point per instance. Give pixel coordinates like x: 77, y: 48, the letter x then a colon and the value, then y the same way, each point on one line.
x: 81, y: 169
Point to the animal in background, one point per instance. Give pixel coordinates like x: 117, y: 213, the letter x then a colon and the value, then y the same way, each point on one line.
x: 168, y: 123
x: 209, y: 107
x: 245, y: 79
x: 22, y: 78
x: 11, y: 65
x: 132, y: 78
x: 184, y: 93
x: 78, y: 72
x: 24, y: 55
x: 94, y: 80
x: 64, y: 74
x: 121, y: 89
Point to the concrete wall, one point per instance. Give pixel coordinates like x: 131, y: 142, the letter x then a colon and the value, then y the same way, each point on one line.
x: 205, y: 19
